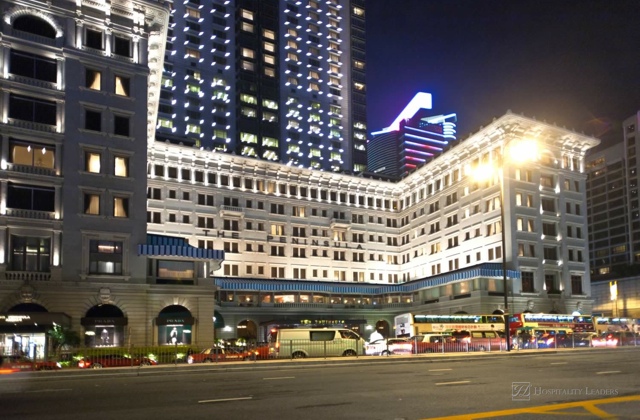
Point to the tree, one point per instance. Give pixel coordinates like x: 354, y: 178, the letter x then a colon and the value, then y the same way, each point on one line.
x: 62, y: 337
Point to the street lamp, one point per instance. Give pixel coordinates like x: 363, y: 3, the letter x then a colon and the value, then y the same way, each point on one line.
x: 519, y: 152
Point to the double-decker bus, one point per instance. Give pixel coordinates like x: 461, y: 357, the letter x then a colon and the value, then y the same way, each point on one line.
x: 575, y: 323
x: 606, y: 324
x: 408, y: 325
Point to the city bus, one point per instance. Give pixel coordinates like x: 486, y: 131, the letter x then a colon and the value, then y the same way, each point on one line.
x: 575, y: 323
x: 529, y: 330
x: 409, y: 325
x: 606, y: 324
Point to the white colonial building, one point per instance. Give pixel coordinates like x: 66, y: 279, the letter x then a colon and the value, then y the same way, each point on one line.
x: 286, y: 226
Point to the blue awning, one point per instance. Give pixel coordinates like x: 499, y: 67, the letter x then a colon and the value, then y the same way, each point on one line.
x: 170, y: 246
x: 489, y: 270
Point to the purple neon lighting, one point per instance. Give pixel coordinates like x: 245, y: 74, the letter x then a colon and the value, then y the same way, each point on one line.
x: 422, y: 100
x: 413, y: 136
x: 432, y: 133
x: 417, y: 152
x: 423, y: 146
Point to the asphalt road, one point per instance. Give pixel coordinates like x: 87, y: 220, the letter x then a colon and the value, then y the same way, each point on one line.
x: 367, y: 388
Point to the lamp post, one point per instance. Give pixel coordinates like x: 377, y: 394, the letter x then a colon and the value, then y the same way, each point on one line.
x: 507, y: 331
x: 525, y: 150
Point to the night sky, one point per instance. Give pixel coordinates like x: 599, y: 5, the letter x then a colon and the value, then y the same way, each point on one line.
x: 575, y: 63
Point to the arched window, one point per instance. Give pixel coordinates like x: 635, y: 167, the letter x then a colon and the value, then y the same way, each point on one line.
x: 27, y: 307
x: 174, y: 325
x: 34, y: 25
x: 104, y: 326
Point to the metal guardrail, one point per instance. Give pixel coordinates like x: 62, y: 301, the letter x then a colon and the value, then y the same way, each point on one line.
x: 293, y: 349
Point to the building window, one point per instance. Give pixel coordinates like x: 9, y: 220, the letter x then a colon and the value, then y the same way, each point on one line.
x: 31, y: 109
x: 551, y: 253
x: 247, y: 27
x: 576, y: 285
x: 527, y: 282
x: 105, y: 257
x: 269, y: 34
x: 32, y: 155
x: 30, y: 254
x: 246, y: 14
x: 93, y: 79
x: 121, y: 125
x: 120, y: 207
x: 549, y: 229
x: 122, y: 86
x: 92, y: 162
x: 548, y: 204
x: 550, y: 282
x: 93, y: 39
x: 30, y: 197
x: 91, y: 203
x: 92, y: 120
x: 121, y: 166
x: 33, y: 66
x: 248, y: 65
x: 122, y: 46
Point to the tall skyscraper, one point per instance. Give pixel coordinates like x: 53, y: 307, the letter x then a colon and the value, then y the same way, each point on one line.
x: 613, y: 206
x: 413, y: 138
x: 277, y: 80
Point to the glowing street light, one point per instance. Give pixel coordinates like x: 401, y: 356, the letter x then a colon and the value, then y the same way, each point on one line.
x: 517, y: 151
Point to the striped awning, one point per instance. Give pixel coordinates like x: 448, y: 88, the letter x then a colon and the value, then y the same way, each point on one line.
x: 490, y: 270
x: 170, y: 246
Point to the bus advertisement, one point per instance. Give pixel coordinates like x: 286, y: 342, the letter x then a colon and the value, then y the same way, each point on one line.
x: 575, y: 323
x: 408, y: 325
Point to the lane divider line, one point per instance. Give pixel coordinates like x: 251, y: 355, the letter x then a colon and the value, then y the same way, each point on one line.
x: 278, y: 377
x: 225, y: 400
x: 453, y: 383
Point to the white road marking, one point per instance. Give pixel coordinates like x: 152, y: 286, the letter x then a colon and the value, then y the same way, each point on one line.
x: 607, y: 372
x: 278, y: 377
x: 50, y: 390
x: 438, y: 370
x: 225, y: 400
x: 559, y: 363
x: 453, y: 383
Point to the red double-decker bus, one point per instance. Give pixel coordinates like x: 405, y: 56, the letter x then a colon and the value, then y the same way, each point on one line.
x: 531, y: 330
x: 576, y: 323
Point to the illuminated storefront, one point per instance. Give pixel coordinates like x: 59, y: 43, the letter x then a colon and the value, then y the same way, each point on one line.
x: 26, y: 332
x: 175, y: 325
x: 104, y: 326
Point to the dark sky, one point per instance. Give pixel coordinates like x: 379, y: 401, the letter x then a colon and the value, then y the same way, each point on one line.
x: 575, y: 63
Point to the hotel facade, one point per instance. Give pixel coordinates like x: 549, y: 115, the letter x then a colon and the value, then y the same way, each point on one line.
x: 303, y: 245
x: 125, y: 238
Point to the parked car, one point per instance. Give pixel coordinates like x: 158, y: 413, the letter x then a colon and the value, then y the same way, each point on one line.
x: 218, y: 354
x: 17, y: 363
x: 113, y: 360
x: 387, y: 346
x: 616, y: 338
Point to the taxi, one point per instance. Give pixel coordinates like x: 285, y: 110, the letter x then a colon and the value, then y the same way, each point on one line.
x: 18, y: 363
x: 386, y: 347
